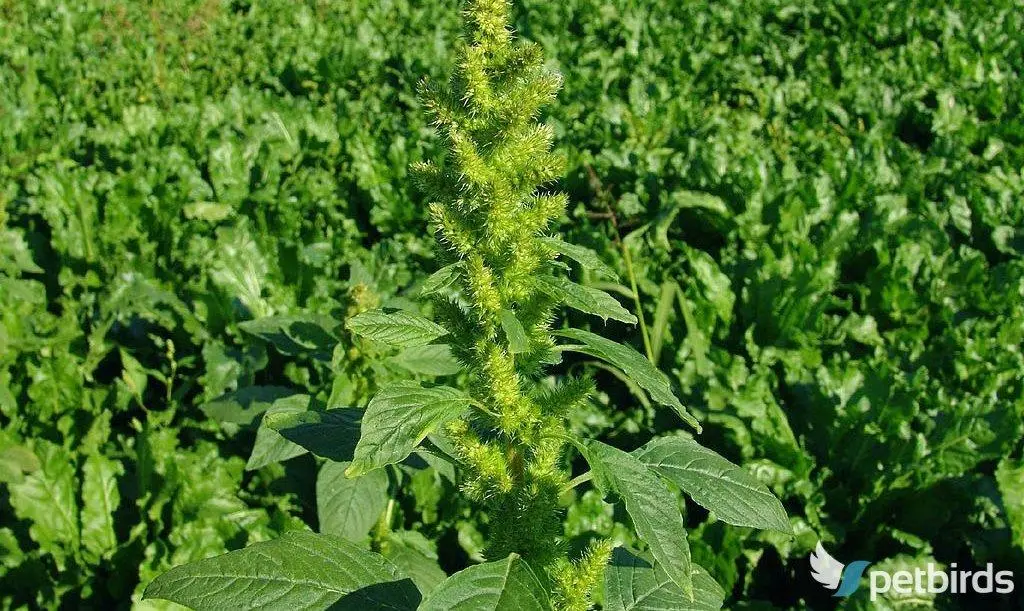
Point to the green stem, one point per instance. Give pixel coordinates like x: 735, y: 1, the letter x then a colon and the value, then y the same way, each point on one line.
x: 83, y: 218
x: 384, y: 524
x: 636, y: 298
x: 576, y: 481
x: 605, y: 198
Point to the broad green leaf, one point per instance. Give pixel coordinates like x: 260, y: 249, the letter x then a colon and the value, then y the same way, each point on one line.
x: 15, y: 460
x: 400, y: 329
x: 686, y: 199
x: 634, y: 583
x: 229, y: 171
x: 1010, y: 476
x: 441, y: 279
x: 207, y: 211
x: 650, y: 504
x: 863, y: 329
x: 400, y: 595
x: 11, y: 554
x: 349, y: 507
x: 696, y: 199
x: 224, y: 368
x: 47, y: 497
x: 244, y: 405
x: 330, y: 434
x: 239, y: 268
x: 15, y: 254
x: 731, y: 493
x: 415, y: 556
x: 270, y: 446
x: 504, y: 585
x: 586, y: 257
x: 585, y: 299
x: 517, y: 340
x: 398, y: 418
x: 133, y: 375
x: 298, y: 571
x: 444, y: 466
x: 293, y: 335
x: 101, y: 499
x: 430, y: 360
x: 633, y: 364
x: 443, y: 448
x: 713, y: 285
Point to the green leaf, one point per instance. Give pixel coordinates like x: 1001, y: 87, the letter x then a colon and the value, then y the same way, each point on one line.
x: 713, y: 285
x: 15, y: 460
x: 415, y: 556
x: 330, y: 434
x: 401, y: 329
x: 686, y: 199
x: 15, y: 254
x: 696, y: 339
x: 207, y: 211
x: 1010, y: 477
x: 400, y: 595
x: 650, y: 504
x: 633, y: 583
x: 270, y: 446
x: 505, y: 585
x: 633, y: 364
x: 238, y: 267
x: 517, y: 340
x: 585, y: 299
x: 298, y: 571
x: 294, y: 335
x: 229, y: 171
x: 11, y: 554
x: 659, y: 326
x: 430, y: 360
x: 244, y: 405
x: 586, y: 257
x: 46, y: 497
x: 441, y: 279
x: 349, y: 507
x: 398, y: 418
x: 101, y: 498
x: 133, y: 375
x: 734, y: 495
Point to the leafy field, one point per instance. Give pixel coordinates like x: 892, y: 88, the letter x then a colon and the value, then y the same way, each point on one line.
x: 815, y: 210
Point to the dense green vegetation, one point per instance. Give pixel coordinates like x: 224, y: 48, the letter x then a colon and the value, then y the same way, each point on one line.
x: 816, y: 211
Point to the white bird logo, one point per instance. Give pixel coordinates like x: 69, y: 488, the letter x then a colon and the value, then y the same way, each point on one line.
x: 825, y: 569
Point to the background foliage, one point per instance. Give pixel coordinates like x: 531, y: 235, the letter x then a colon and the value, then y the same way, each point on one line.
x: 820, y: 205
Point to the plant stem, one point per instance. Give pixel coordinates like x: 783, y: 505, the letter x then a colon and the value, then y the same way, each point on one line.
x: 605, y: 199
x: 576, y: 481
x: 636, y: 294
x: 384, y: 523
